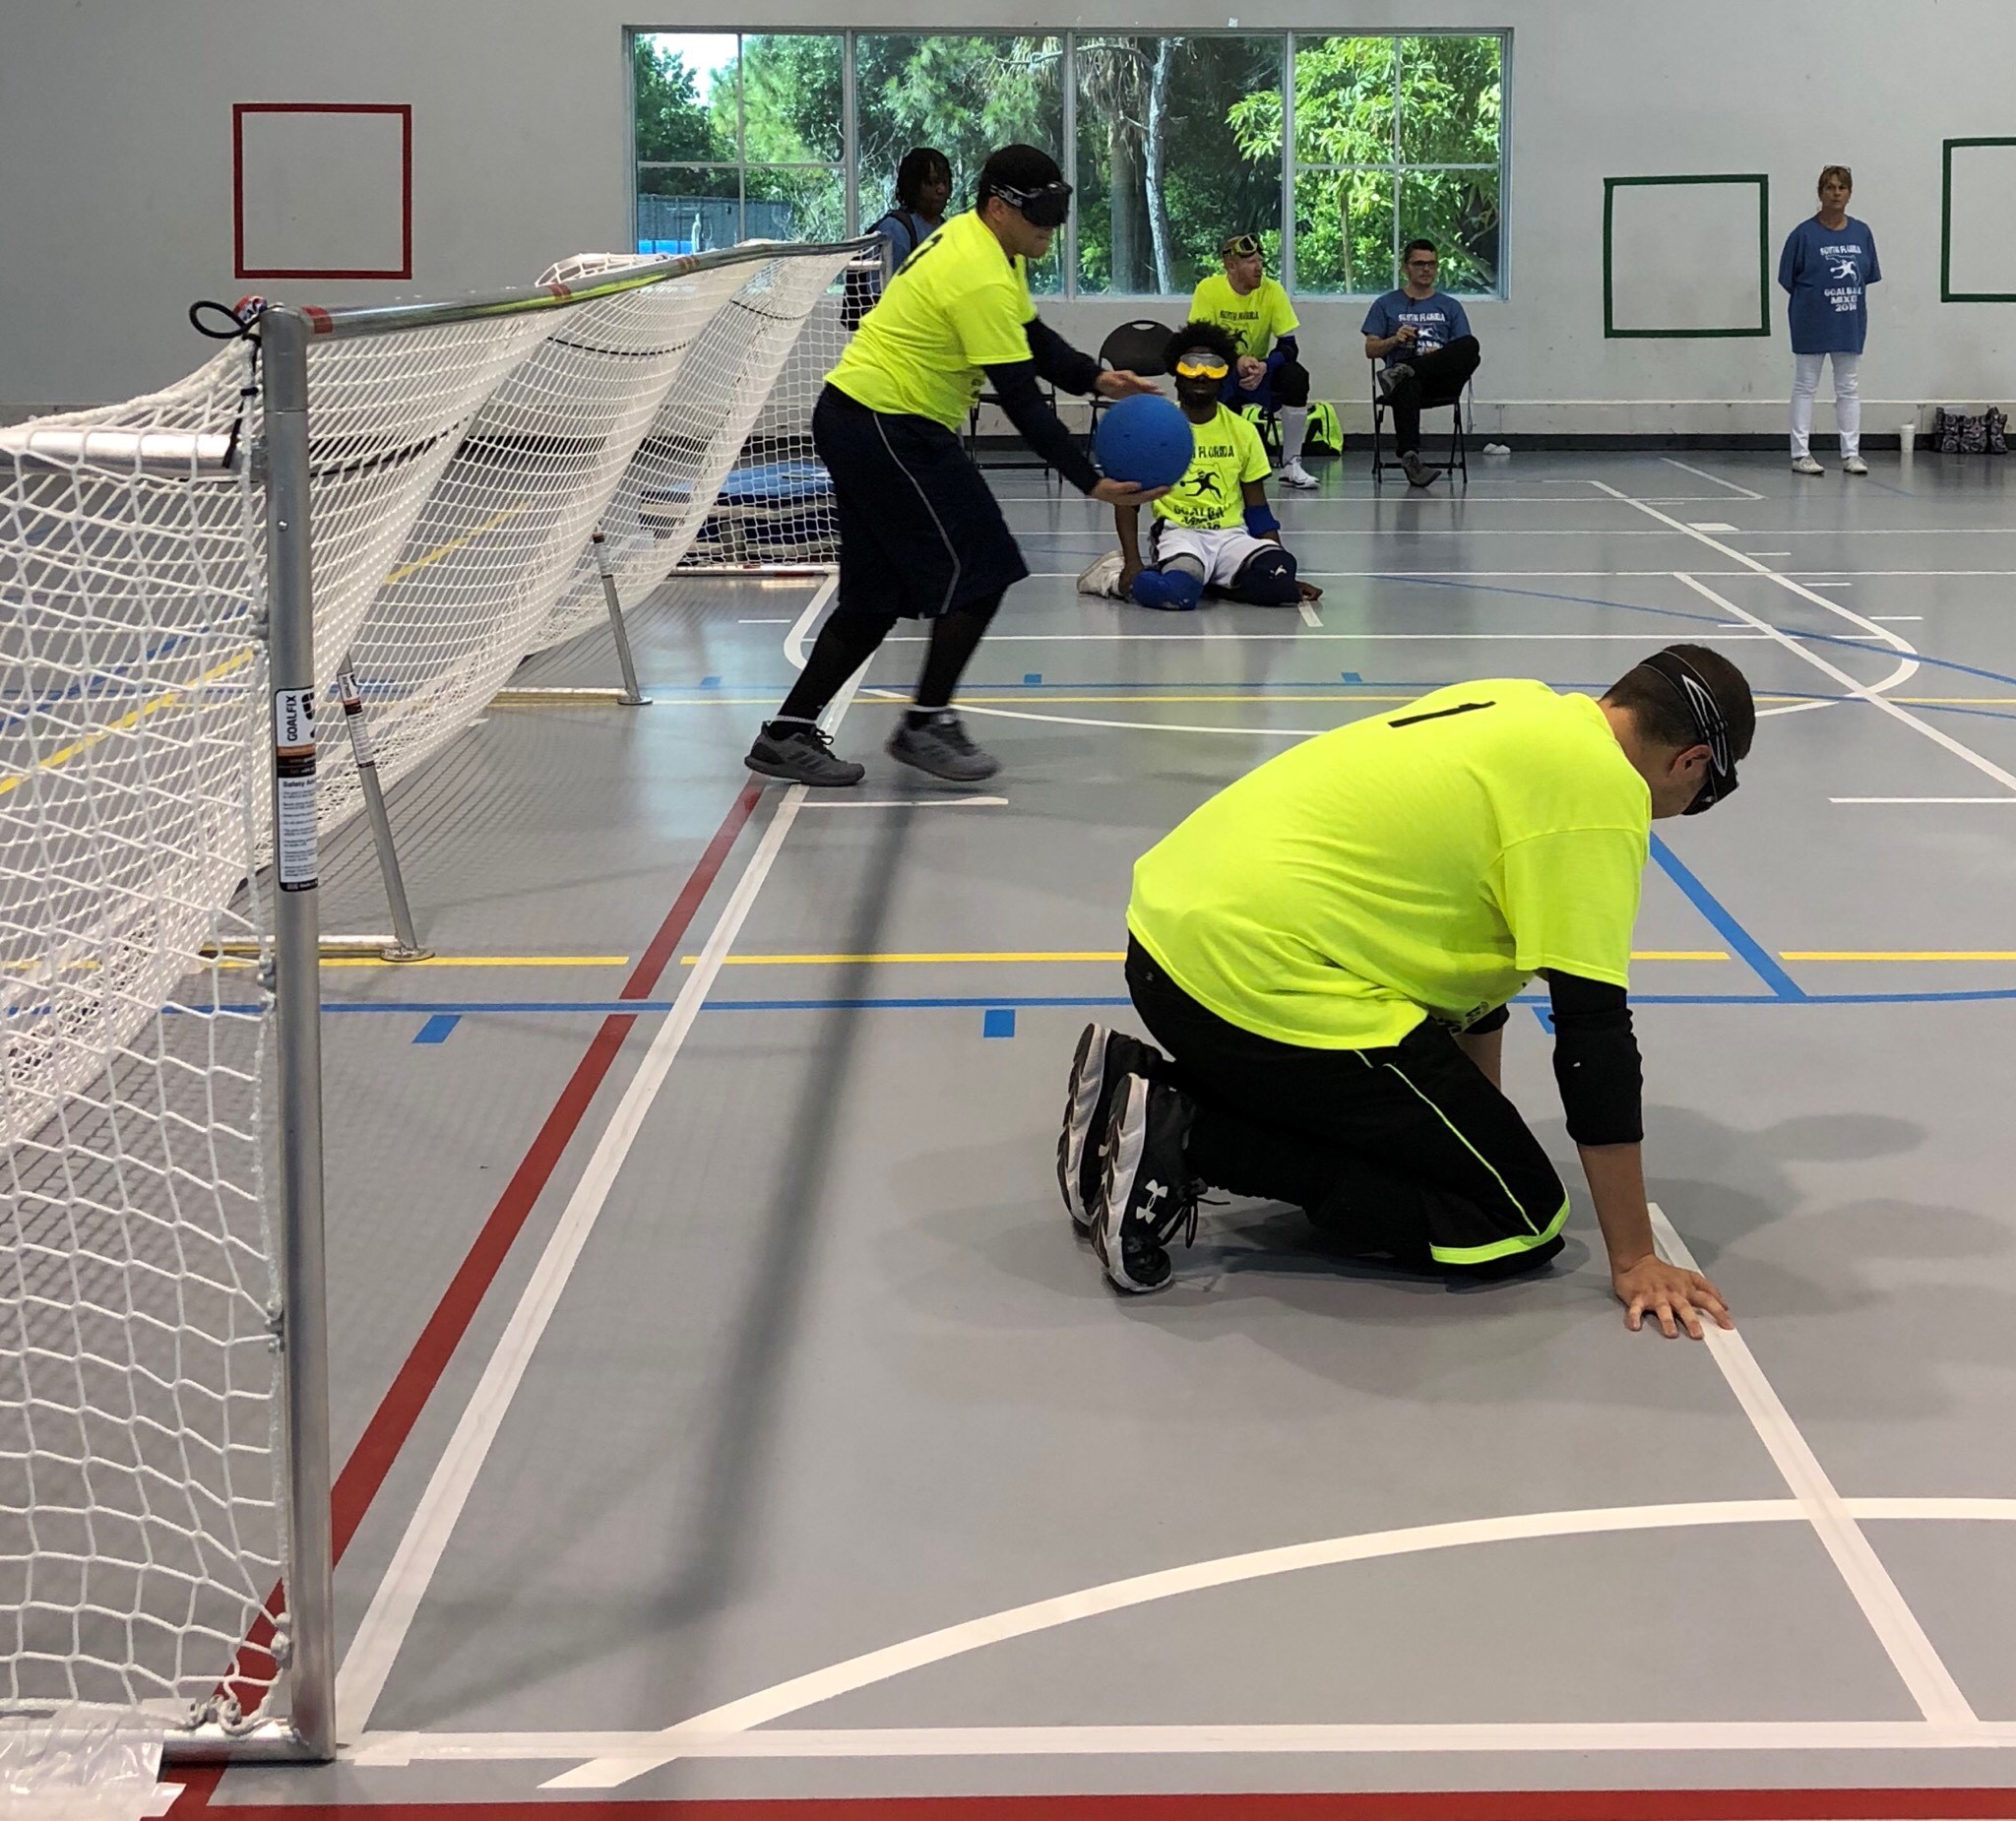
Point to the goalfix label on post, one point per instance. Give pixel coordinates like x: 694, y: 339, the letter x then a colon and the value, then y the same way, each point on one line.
x: 293, y: 788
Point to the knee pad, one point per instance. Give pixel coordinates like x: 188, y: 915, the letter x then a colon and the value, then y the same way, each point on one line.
x: 1291, y: 383
x: 1174, y: 590
x: 1268, y: 580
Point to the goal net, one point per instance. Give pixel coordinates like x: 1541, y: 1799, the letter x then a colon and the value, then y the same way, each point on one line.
x: 459, y: 458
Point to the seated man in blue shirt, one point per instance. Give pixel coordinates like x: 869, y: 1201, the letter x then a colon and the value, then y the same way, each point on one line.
x: 1424, y: 339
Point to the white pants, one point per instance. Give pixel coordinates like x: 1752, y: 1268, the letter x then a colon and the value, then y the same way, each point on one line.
x: 1220, y: 554
x: 1848, y: 400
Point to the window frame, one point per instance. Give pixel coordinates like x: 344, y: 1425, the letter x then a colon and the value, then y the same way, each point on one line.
x: 848, y: 167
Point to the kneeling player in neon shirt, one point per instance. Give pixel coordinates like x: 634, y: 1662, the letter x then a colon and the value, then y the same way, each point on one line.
x: 1213, y: 528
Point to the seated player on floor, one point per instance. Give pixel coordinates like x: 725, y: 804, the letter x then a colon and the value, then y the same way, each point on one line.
x: 1212, y: 529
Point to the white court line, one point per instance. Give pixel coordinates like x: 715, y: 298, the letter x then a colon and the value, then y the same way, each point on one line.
x: 1708, y: 525
x: 1604, y: 575
x: 1306, y: 638
x: 886, y: 1742
x: 1304, y: 502
x: 2005, y: 800
x: 905, y: 803
x: 1310, y: 617
x: 618, y: 1757
x: 1685, y: 468
x: 1896, y: 1626
x: 1907, y: 666
x: 372, y: 1651
x: 1884, y: 619
x: 1862, y: 691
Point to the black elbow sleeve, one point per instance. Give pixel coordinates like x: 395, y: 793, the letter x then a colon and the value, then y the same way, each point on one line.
x: 1596, y: 1065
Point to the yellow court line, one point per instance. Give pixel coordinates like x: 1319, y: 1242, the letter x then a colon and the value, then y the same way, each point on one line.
x: 481, y: 960
x: 63, y: 755
x: 1897, y: 954
x: 1053, y: 955
x: 453, y: 544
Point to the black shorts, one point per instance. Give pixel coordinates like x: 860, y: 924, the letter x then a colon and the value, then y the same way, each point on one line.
x: 1408, y: 1150
x: 921, y: 532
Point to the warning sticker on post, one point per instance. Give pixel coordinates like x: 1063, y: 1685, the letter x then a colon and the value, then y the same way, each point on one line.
x: 293, y: 788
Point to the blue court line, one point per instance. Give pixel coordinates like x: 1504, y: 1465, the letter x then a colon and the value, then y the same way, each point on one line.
x: 1762, y: 963
x: 999, y: 1020
x: 437, y: 1027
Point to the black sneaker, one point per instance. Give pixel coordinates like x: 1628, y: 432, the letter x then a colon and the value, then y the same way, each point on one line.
x: 802, y: 753
x: 941, y: 747
x: 1146, y: 1190
x: 1103, y: 1060
x: 1418, y: 473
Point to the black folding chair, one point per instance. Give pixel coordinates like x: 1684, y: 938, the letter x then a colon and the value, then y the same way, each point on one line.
x: 973, y: 433
x: 1457, y: 460
x: 1133, y: 348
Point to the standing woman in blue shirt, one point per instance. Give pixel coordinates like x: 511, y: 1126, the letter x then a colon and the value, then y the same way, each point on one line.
x: 1828, y: 264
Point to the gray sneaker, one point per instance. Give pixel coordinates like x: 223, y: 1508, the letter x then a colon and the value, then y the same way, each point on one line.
x: 1418, y: 473
x: 941, y: 746
x: 1389, y: 377
x: 802, y: 753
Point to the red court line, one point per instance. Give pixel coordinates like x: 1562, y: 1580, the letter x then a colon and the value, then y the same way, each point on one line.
x: 392, y: 1423
x: 1397, y: 1805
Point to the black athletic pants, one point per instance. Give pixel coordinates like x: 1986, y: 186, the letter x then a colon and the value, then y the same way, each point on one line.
x: 1437, y: 379
x: 922, y: 537
x: 1408, y: 1150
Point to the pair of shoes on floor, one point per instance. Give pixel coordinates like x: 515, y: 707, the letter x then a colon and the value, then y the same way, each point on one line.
x: 1418, y: 473
x: 1120, y: 1158
x: 801, y: 752
x: 1294, y: 475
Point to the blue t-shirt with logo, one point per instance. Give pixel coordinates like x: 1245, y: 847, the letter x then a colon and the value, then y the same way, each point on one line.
x: 1826, y: 272
x: 1438, y: 319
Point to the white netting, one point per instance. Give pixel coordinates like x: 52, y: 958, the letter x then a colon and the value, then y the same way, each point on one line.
x: 139, y: 1516
x: 457, y: 472
x: 618, y: 405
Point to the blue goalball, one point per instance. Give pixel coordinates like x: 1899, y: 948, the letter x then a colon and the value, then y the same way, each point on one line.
x: 1145, y: 439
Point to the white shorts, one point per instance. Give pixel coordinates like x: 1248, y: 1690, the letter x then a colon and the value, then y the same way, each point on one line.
x: 1221, y: 554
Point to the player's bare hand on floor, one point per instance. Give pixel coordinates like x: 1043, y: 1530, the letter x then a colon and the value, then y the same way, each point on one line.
x: 1676, y: 1296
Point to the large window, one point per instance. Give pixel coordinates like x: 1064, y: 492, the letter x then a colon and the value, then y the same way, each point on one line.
x: 1174, y: 143
x: 739, y: 136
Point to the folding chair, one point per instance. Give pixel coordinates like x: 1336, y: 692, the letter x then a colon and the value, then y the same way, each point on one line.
x: 1456, y: 462
x: 973, y: 433
x: 1133, y: 348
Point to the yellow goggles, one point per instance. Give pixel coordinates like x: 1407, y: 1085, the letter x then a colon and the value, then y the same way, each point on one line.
x: 1201, y: 366
x: 1241, y: 246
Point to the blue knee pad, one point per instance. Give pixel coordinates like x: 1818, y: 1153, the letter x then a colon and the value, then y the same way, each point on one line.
x: 1174, y: 590
x: 1268, y: 580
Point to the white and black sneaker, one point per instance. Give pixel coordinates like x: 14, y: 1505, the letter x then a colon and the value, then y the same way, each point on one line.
x: 1146, y: 1190
x: 1103, y: 1061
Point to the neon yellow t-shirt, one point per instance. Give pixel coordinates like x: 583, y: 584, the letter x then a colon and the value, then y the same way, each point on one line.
x: 958, y: 304
x: 1255, y: 321
x: 1208, y: 496
x: 1424, y: 862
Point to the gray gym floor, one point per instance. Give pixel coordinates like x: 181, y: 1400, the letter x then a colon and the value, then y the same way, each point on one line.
x: 796, y: 1412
